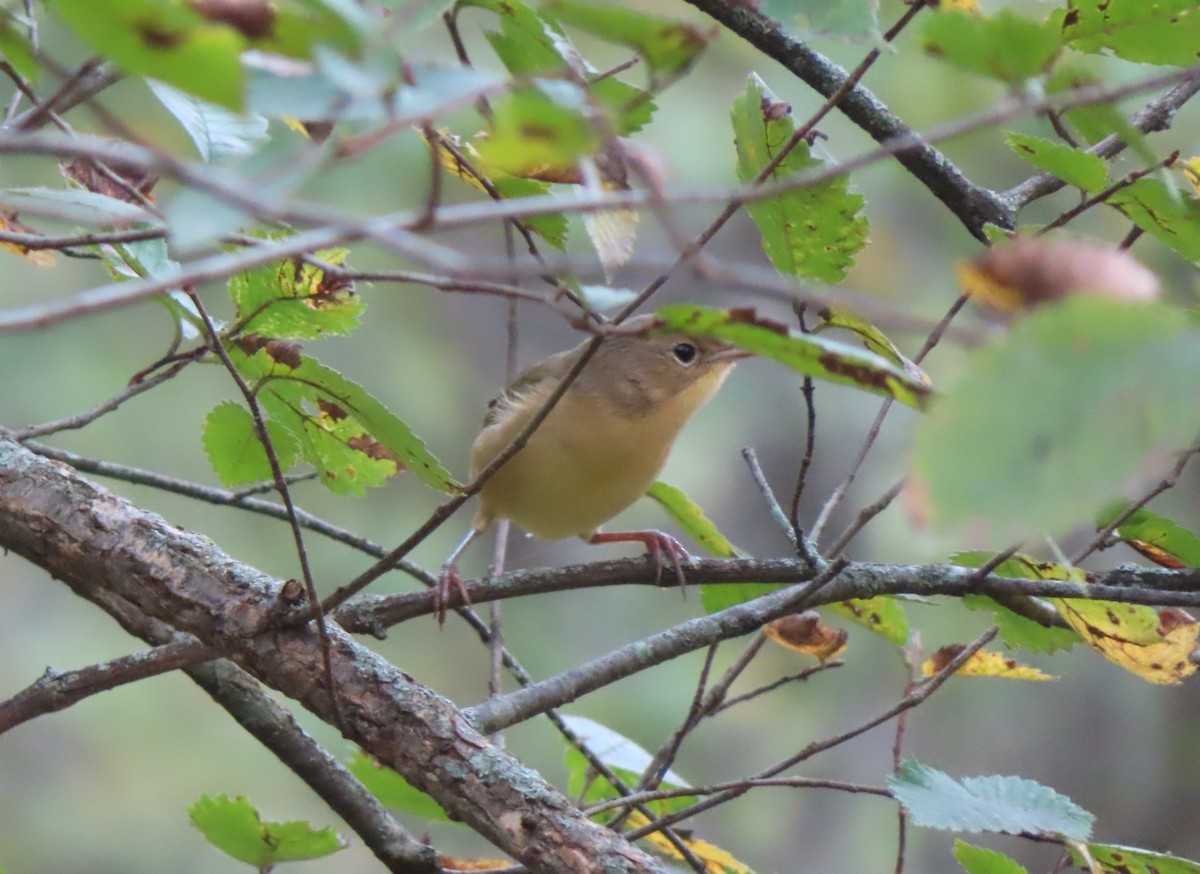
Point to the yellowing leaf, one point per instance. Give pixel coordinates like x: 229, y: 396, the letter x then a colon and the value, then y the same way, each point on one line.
x: 982, y: 664
x: 1191, y: 172
x: 873, y: 338
x: 37, y: 257
x: 716, y: 860
x: 1156, y: 645
x: 806, y: 633
x: 1155, y: 553
x: 882, y: 614
x: 552, y: 227
x: 449, y: 863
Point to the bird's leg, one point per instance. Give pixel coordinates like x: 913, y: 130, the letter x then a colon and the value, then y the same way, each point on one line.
x: 657, y: 544
x: 449, y: 578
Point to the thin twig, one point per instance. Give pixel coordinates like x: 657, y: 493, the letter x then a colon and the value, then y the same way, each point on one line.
x: 57, y: 691
x: 130, y: 391
x: 1164, y: 484
x: 1104, y: 195
x: 751, y: 783
x: 865, y: 515
x: 766, y: 688
x: 916, y: 697
x: 691, y: 635
x: 285, y: 494
x: 839, y: 493
x: 777, y: 515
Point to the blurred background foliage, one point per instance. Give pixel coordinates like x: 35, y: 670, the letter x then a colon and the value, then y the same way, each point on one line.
x: 104, y: 786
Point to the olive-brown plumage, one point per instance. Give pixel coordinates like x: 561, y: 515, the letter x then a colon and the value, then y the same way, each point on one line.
x: 604, y: 442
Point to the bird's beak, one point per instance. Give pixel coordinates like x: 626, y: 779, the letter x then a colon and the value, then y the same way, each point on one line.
x: 732, y: 354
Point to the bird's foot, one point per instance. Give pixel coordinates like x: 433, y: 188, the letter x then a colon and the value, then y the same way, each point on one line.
x: 658, y: 544
x: 448, y: 579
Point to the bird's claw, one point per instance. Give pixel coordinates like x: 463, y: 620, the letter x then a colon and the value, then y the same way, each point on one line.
x: 657, y: 544
x: 447, y: 580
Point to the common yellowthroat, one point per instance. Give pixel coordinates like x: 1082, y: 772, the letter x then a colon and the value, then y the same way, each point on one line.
x: 601, y: 446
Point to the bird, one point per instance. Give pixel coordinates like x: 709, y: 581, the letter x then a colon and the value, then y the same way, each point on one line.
x: 600, y: 447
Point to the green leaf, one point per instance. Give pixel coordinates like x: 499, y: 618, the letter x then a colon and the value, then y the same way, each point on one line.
x: 1063, y: 410
x: 1018, y: 631
x: 233, y: 826
x: 217, y: 132
x: 348, y: 435
x: 1011, y: 805
x: 1130, y: 860
x: 538, y: 128
x: 293, y: 299
x: 321, y: 93
x: 1158, y: 32
x: 688, y: 516
x: 75, y: 204
x: 163, y: 40
x: 882, y: 614
x: 383, y: 425
x: 299, y: 26
x: 873, y: 338
x: 551, y: 227
x: 1006, y: 46
x: 1162, y: 213
x: 1015, y: 629
x: 693, y: 521
x: 803, y: 18
x: 1073, y: 166
x: 669, y: 47
x: 531, y: 44
x: 15, y: 48
x: 812, y: 355
x: 1095, y: 121
x: 812, y: 232
x: 1158, y: 532
x: 233, y: 448
x: 394, y: 791
x: 338, y: 446
x: 978, y: 860
x: 624, y: 757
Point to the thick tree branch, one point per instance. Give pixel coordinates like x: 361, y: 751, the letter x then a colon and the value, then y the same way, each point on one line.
x: 103, y: 547
x: 974, y: 206
x: 1128, y: 584
x: 1155, y: 116
x: 276, y: 728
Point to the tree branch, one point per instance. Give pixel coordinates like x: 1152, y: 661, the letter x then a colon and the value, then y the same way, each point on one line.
x: 103, y: 547
x: 1131, y: 585
x: 974, y: 206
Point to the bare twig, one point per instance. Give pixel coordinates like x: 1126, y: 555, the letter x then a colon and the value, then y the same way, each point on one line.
x: 57, y: 691
x: 130, y: 391
x: 691, y: 635
x: 285, y: 493
x: 1102, y: 196
x: 909, y: 701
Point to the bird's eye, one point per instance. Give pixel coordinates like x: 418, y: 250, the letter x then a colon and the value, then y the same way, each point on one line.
x: 685, y: 353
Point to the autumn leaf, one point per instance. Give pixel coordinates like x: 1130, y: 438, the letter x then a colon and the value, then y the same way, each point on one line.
x: 716, y: 860
x: 982, y: 664
x: 1154, y: 645
x: 806, y: 633
x: 37, y: 257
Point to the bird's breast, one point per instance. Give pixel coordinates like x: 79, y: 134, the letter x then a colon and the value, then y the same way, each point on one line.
x: 583, y: 465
